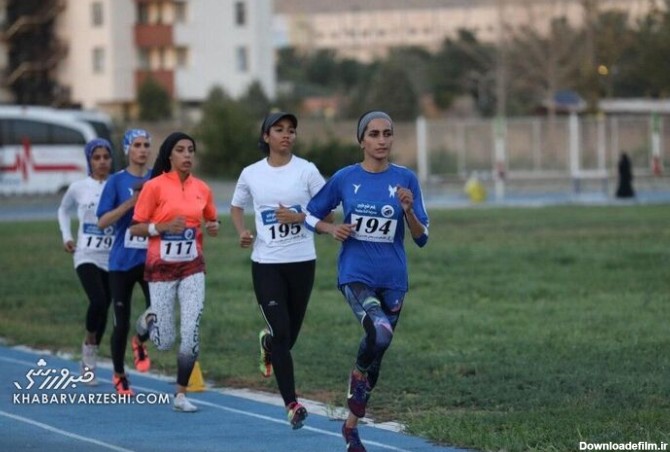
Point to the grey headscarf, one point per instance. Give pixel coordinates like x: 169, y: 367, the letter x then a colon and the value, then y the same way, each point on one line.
x: 365, y: 119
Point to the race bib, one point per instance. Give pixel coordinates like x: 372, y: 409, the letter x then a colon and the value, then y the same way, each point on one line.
x: 279, y: 234
x: 179, y: 247
x: 374, y: 222
x: 96, y: 239
x: 133, y: 241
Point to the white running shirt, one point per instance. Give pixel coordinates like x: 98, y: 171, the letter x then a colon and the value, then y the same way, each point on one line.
x: 93, y: 244
x: 292, y: 186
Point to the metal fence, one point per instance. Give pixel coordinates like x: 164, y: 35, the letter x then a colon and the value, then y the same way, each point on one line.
x: 566, y: 153
x: 541, y: 147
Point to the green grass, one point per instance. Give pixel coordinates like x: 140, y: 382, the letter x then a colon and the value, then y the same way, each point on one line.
x: 524, y: 329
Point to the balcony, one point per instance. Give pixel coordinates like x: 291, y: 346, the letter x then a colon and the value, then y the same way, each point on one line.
x: 164, y: 77
x: 27, y: 23
x: 153, y: 35
x: 56, y: 51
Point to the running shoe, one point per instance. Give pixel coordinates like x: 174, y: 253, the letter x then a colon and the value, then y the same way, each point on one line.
x: 140, y: 355
x: 357, y: 396
x: 352, y: 439
x: 181, y: 403
x: 265, y: 363
x: 145, y: 321
x: 122, y: 385
x: 89, y: 360
x: 296, y: 415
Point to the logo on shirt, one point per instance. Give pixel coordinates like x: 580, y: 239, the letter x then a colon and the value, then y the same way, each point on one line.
x: 388, y: 211
x: 392, y: 191
x: 356, y: 187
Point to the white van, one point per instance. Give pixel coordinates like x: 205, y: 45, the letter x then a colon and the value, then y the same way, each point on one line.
x: 101, y: 122
x: 41, y: 149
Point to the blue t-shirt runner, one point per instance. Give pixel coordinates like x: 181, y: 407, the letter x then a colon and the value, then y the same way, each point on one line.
x: 370, y: 203
x: 127, y: 251
x: 378, y: 198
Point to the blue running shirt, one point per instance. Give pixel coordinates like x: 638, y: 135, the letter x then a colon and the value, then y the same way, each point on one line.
x: 128, y: 251
x: 374, y: 254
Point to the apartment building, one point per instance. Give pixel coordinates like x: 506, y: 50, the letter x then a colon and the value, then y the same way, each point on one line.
x: 97, y: 53
x: 365, y: 30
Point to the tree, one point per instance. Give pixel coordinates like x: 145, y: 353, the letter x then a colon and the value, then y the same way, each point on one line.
x: 390, y: 89
x: 651, y: 47
x: 415, y: 62
x: 228, y: 135
x: 540, y: 64
x: 256, y: 101
x: 321, y: 68
x: 463, y: 66
x: 154, y: 101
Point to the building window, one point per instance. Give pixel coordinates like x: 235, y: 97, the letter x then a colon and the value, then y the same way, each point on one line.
x: 180, y: 12
x: 162, y: 58
x: 242, y: 59
x: 142, y: 13
x: 144, y: 60
x: 96, y: 14
x: 98, y: 60
x: 240, y: 13
x: 181, y: 57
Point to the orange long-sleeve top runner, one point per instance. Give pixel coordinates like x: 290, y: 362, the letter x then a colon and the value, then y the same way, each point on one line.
x: 174, y: 256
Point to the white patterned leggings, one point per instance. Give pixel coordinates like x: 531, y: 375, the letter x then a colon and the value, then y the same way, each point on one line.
x: 190, y: 292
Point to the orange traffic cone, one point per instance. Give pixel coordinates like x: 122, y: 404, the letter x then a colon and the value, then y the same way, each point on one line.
x: 195, y: 382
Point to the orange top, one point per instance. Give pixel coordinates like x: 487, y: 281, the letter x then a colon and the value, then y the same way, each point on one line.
x: 163, y: 198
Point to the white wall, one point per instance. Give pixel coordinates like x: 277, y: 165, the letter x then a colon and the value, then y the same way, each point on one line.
x: 213, y: 37
x: 209, y: 34
x: 75, y: 27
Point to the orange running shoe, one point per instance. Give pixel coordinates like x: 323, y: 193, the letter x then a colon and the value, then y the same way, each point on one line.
x: 142, y: 361
x: 122, y: 385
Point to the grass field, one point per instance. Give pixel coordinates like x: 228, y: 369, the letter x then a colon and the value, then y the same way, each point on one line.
x: 524, y: 329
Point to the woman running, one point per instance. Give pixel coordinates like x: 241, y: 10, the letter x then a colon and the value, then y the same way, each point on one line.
x: 91, y: 251
x: 283, y: 260
x: 126, y: 259
x: 378, y: 198
x: 170, y: 211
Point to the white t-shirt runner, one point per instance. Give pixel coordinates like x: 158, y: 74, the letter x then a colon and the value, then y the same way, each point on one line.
x: 93, y: 244
x: 292, y: 186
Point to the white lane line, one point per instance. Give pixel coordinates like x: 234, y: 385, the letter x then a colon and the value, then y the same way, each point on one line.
x: 63, y: 432
x: 225, y: 408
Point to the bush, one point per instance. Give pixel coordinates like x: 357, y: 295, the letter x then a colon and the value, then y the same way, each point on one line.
x: 228, y: 135
x: 331, y: 155
x: 154, y: 101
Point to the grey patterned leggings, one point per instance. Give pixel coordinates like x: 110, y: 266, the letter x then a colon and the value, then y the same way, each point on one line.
x: 190, y: 292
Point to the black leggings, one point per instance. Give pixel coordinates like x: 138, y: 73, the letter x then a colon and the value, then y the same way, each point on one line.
x: 282, y: 292
x: 95, y: 282
x: 122, y: 284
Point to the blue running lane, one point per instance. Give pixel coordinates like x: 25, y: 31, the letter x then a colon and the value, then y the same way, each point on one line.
x: 78, y: 419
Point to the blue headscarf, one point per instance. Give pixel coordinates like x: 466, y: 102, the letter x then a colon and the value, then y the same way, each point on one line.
x: 130, y: 136
x: 92, y: 146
